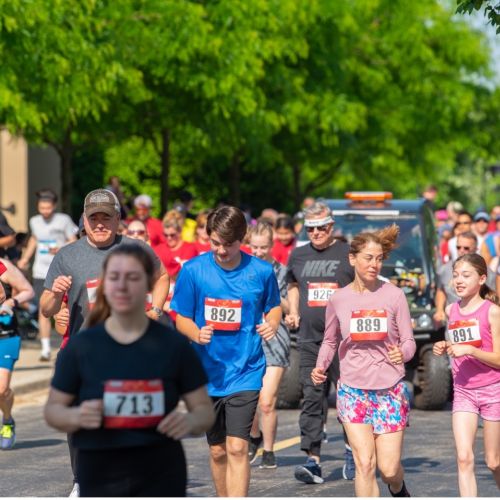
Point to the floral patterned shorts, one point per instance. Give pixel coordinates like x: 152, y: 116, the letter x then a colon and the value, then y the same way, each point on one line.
x: 387, y: 410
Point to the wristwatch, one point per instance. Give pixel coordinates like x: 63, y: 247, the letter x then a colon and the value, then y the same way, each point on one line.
x: 157, y: 310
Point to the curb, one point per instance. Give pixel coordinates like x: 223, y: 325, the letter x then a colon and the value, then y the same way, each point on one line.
x: 36, y: 385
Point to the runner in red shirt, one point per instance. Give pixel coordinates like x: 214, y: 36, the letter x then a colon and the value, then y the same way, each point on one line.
x: 143, y: 204
x: 285, y: 240
x: 202, y: 242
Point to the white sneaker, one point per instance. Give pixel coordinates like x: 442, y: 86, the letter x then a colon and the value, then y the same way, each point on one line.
x: 75, y: 492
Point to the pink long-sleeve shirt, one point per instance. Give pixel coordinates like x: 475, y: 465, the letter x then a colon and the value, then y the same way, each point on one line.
x: 365, y: 364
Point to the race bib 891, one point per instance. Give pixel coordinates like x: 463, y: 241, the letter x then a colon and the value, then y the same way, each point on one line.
x: 465, y: 331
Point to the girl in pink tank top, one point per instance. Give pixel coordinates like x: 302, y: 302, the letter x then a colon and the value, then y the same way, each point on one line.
x: 473, y: 343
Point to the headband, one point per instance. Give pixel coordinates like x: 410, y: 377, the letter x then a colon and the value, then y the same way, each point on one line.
x: 318, y: 222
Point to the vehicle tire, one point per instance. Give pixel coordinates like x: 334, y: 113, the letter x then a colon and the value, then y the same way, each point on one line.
x: 290, y: 391
x: 434, y: 381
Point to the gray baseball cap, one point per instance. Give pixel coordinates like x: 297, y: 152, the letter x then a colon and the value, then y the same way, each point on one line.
x: 101, y: 200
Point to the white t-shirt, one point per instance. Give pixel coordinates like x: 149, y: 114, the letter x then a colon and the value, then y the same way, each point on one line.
x: 51, y: 234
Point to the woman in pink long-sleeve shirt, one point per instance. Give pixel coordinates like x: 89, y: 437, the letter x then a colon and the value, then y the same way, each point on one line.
x: 369, y: 323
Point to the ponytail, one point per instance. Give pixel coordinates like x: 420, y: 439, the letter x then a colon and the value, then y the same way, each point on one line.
x: 101, y: 310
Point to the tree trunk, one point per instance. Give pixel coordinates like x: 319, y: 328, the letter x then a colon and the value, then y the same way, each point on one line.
x: 66, y: 155
x: 297, y: 193
x: 165, y: 169
x: 234, y: 180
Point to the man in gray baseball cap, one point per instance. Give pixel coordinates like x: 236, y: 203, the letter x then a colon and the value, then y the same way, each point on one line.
x: 76, y: 268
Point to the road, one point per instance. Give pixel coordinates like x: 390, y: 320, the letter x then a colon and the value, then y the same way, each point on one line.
x: 39, y: 465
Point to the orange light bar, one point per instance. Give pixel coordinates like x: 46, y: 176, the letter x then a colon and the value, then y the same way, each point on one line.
x: 368, y: 195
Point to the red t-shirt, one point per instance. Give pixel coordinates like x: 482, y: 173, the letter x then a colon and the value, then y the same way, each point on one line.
x: 246, y: 249
x: 182, y: 254
x: 2, y: 268
x: 281, y: 252
x: 201, y: 247
x: 154, y: 228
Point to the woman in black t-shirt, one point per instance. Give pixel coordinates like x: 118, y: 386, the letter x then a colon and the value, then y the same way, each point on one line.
x: 116, y: 387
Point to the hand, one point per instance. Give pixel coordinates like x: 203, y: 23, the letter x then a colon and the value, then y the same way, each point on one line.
x: 176, y: 425
x: 6, y: 309
x: 439, y: 348
x: 61, y: 284
x: 439, y: 316
x: 90, y: 414
x: 62, y: 318
x: 395, y: 354
x: 292, y: 321
x: 205, y: 335
x: 318, y: 376
x: 459, y: 350
x: 266, y: 330
x: 153, y: 315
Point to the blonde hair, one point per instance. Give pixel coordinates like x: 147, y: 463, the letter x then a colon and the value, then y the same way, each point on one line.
x: 261, y: 229
x: 173, y: 218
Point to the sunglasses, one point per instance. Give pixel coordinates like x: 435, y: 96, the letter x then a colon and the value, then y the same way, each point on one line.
x: 464, y: 223
x: 170, y: 235
x: 321, y: 229
x: 138, y: 232
x: 467, y: 249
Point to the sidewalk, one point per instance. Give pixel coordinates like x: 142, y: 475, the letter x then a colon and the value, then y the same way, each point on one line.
x: 30, y: 374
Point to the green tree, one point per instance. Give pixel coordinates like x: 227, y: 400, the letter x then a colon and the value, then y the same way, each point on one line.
x: 491, y: 9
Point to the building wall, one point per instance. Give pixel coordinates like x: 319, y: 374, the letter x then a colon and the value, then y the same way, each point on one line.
x: 14, y: 179
x: 24, y: 170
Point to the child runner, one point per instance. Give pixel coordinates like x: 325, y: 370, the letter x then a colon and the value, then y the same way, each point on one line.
x: 474, y: 346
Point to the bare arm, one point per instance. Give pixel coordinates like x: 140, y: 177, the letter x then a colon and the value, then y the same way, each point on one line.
x: 292, y: 319
x: 16, y: 279
x: 59, y: 413
x: 62, y: 319
x: 439, y: 315
x: 160, y: 291
x: 189, y: 328
x: 268, y: 329
x: 7, y: 241
x: 51, y: 300
x: 200, y: 416
x: 28, y: 253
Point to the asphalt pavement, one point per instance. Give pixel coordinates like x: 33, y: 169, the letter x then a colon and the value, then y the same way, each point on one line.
x: 39, y: 464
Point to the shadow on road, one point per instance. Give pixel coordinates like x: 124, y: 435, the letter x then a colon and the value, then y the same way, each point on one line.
x: 39, y: 443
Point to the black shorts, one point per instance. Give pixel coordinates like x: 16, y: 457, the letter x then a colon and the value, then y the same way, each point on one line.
x: 233, y: 416
x: 38, y: 288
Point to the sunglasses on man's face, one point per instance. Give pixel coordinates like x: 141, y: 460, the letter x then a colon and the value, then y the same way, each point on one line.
x: 321, y: 229
x: 466, y: 249
x: 136, y: 232
x: 170, y: 235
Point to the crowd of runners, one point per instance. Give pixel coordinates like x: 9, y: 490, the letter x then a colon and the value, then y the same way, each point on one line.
x: 199, y: 309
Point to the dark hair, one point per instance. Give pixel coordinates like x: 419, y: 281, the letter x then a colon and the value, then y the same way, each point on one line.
x: 101, y: 310
x: 479, y: 265
x: 385, y: 237
x: 464, y: 212
x: 228, y: 222
x: 284, y: 221
x: 46, y: 195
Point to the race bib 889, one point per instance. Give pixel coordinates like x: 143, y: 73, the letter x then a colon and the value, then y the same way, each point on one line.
x: 368, y: 324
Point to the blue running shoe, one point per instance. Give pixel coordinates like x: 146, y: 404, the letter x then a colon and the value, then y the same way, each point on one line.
x: 349, y: 468
x: 8, y: 435
x: 309, y: 473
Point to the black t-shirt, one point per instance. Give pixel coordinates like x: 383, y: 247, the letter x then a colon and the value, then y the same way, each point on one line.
x: 318, y: 273
x: 93, y: 357
x: 5, y: 230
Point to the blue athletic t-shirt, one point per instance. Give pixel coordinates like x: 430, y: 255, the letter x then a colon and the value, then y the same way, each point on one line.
x: 234, y: 302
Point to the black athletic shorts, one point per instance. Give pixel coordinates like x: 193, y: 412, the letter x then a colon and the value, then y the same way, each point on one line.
x: 38, y: 288
x: 233, y: 416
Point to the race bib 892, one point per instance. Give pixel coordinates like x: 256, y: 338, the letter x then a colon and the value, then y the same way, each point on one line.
x: 223, y: 314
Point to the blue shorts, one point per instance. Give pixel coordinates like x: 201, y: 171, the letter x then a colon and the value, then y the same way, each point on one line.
x: 9, y: 351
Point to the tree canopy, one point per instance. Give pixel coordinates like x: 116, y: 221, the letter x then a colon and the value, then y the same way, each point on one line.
x: 259, y: 102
